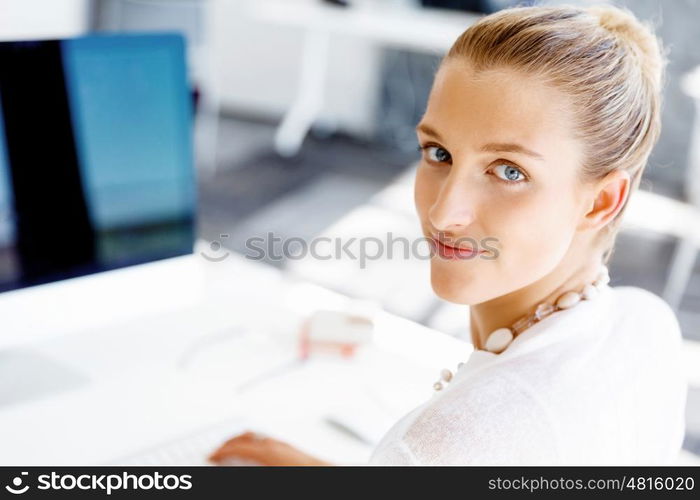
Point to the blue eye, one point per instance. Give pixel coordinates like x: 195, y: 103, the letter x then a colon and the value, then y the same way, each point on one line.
x: 436, y: 154
x: 509, y: 173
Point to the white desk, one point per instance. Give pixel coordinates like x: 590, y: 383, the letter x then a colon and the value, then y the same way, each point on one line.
x: 411, y: 28
x: 162, y: 367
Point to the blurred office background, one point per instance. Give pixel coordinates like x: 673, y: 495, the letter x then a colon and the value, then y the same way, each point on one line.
x: 305, y: 113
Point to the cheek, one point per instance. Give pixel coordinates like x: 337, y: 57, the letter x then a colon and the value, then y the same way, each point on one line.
x: 534, y: 230
x: 426, y: 189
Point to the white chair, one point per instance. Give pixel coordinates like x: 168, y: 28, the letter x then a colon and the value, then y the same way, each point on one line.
x: 683, y: 261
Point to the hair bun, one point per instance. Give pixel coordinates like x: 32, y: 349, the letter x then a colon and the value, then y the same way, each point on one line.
x: 614, y: 19
x: 639, y: 36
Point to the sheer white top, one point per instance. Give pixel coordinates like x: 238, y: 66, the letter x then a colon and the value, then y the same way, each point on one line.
x: 601, y: 383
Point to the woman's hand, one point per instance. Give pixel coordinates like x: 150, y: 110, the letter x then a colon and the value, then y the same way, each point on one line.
x: 254, y: 449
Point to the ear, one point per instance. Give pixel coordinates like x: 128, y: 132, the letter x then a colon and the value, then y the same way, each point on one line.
x: 608, y: 198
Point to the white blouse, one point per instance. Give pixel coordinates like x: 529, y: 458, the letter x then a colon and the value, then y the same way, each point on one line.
x: 599, y: 384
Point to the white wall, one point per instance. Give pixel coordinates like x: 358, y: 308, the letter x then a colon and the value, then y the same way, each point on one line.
x: 35, y: 19
x: 257, y: 68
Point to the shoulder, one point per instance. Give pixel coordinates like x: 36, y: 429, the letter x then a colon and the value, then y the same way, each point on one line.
x: 638, y: 306
x: 492, y: 419
x: 633, y: 295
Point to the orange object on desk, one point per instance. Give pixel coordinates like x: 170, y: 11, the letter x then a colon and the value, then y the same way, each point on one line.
x: 334, y: 332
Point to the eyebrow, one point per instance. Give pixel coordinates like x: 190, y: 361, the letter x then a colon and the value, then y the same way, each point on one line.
x: 427, y: 129
x: 492, y: 147
x: 498, y: 147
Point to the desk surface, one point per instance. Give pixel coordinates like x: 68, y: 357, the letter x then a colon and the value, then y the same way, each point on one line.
x: 421, y: 29
x: 155, y: 373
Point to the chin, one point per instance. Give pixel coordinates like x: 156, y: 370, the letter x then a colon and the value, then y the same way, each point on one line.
x: 449, y: 287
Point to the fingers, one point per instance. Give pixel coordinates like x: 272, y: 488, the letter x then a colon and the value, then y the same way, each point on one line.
x: 245, y: 437
x: 248, y: 446
x: 249, y: 436
x: 239, y: 449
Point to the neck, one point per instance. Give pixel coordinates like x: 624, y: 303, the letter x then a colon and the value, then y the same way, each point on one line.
x: 505, y: 310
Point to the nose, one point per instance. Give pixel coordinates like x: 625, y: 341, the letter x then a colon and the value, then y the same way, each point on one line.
x: 452, y: 210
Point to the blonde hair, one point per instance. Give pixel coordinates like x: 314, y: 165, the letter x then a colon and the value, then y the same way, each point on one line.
x: 609, y: 63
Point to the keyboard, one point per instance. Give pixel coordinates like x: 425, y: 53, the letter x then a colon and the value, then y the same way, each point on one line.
x: 190, y: 449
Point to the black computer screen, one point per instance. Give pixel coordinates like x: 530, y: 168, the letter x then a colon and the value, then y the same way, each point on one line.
x: 96, y: 167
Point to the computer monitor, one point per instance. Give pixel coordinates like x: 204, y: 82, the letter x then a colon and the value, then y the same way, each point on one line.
x: 96, y: 160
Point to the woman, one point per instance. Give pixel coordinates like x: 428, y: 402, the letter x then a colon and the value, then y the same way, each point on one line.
x: 537, y: 130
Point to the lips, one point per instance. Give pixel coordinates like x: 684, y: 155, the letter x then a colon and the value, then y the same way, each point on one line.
x: 447, y: 251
